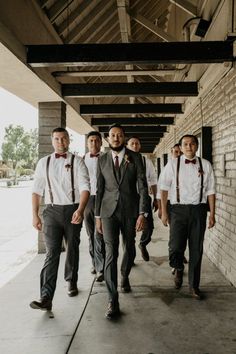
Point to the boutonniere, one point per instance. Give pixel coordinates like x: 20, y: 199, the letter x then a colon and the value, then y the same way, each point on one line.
x: 200, y: 172
x: 68, y: 166
x: 127, y: 159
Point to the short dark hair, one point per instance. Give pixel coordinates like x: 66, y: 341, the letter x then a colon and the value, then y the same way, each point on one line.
x: 94, y: 132
x: 60, y: 130
x: 133, y: 137
x: 189, y: 136
x: 116, y: 125
x: 176, y: 145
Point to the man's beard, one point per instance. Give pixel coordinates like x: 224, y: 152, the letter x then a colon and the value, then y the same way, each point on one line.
x: 117, y: 148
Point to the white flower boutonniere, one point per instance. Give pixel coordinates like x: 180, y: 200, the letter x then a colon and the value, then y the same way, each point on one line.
x: 126, y: 158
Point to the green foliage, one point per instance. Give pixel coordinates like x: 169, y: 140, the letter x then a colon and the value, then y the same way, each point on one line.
x: 20, y: 147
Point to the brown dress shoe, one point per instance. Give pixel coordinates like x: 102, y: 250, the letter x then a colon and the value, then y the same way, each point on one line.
x: 196, y: 293
x: 125, y: 285
x: 178, y: 278
x: 72, y: 289
x: 113, y: 310
x: 144, y: 252
x: 43, y: 304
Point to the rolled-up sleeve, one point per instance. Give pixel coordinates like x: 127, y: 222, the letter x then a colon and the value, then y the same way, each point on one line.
x: 210, y: 189
x: 39, y: 179
x: 166, y: 177
x: 83, y: 176
x: 151, y: 173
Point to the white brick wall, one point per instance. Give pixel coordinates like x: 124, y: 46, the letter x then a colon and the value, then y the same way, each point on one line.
x: 219, y: 112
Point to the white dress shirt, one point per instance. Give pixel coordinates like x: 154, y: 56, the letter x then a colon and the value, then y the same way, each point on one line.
x: 150, y: 172
x: 91, y: 163
x: 60, y: 179
x: 189, y: 181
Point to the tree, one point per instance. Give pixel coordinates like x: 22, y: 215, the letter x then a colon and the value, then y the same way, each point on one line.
x: 20, y: 147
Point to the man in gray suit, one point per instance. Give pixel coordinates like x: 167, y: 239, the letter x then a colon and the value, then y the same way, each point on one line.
x: 121, y: 207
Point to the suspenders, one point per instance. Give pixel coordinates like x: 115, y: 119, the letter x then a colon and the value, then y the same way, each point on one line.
x: 72, y: 178
x: 177, y: 180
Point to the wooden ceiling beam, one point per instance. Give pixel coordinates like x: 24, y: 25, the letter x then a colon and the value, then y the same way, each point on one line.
x: 130, y: 53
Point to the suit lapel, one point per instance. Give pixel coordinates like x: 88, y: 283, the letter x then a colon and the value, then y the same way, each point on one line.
x: 123, y: 166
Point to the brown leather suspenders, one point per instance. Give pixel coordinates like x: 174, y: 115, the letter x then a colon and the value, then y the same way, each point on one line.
x: 177, y: 180
x: 72, y: 179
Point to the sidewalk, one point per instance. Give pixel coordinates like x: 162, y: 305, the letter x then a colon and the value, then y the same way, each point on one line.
x: 156, y: 318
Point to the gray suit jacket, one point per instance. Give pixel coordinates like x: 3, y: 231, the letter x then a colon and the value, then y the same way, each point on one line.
x: 111, y: 190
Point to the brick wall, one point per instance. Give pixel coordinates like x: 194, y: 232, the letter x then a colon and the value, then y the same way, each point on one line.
x: 218, y: 109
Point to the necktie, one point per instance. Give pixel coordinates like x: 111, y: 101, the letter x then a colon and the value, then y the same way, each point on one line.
x: 117, y: 166
x: 94, y: 155
x: 190, y: 161
x: 60, y: 155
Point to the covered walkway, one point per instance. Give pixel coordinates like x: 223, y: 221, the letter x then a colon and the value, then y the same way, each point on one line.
x: 156, y: 319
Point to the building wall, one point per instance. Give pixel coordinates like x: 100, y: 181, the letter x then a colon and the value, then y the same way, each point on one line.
x: 217, y: 109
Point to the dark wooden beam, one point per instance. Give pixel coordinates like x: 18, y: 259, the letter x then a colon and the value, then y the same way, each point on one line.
x: 130, y: 53
x: 133, y: 121
x: 137, y: 130
x: 143, y: 135
x: 101, y: 109
x: 131, y: 89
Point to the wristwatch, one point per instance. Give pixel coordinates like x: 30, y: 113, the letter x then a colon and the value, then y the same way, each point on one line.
x: 144, y: 214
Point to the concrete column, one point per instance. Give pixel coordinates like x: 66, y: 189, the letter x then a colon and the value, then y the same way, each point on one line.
x: 51, y: 115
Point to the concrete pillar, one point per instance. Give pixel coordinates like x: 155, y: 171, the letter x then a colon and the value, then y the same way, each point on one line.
x: 51, y: 115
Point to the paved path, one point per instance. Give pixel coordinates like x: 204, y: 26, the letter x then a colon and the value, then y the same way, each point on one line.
x: 18, y: 239
x: 156, y: 318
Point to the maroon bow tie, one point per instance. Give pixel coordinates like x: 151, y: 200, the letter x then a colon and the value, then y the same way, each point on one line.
x: 60, y: 155
x: 190, y: 161
x: 94, y: 155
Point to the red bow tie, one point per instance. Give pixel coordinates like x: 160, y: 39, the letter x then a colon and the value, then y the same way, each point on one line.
x: 94, y: 155
x: 60, y: 155
x: 190, y: 161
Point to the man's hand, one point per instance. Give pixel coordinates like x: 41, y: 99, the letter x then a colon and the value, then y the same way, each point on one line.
x: 77, y: 217
x: 211, y: 221
x: 155, y: 205
x: 164, y: 218
x: 37, y: 223
x: 140, y: 223
x: 99, y: 225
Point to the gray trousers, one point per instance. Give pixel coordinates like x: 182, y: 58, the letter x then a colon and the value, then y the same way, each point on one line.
x: 112, y: 227
x: 187, y: 223
x: 96, y: 242
x: 57, y: 224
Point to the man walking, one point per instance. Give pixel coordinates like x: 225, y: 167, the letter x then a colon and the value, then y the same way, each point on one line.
x: 96, y: 242
x: 120, y: 208
x: 134, y: 144
x: 63, y: 178
x: 189, y: 180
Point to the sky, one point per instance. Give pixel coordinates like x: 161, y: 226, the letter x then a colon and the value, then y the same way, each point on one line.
x: 14, y: 110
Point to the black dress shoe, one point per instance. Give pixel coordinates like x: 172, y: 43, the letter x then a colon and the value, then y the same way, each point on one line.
x: 144, y: 252
x: 196, y: 293
x: 112, y: 311
x: 43, y: 304
x: 93, y: 270
x: 125, y: 285
x: 178, y: 278
x: 72, y: 289
x: 99, y: 277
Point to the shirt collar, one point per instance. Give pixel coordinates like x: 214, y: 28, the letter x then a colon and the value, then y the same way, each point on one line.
x: 121, y: 154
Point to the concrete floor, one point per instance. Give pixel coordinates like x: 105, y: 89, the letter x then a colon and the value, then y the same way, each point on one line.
x: 156, y: 318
